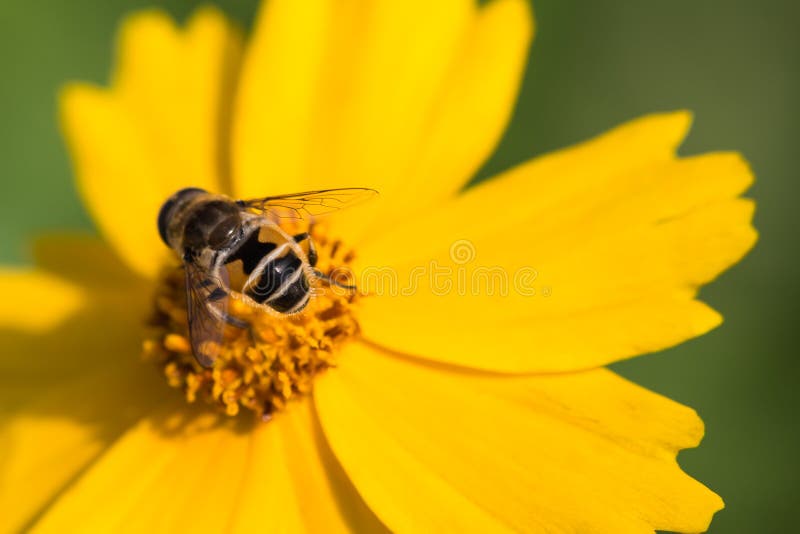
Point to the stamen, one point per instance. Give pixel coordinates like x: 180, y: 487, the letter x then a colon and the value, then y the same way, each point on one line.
x: 262, y: 368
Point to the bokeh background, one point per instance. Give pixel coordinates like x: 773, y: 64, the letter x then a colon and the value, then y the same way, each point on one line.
x: 594, y: 64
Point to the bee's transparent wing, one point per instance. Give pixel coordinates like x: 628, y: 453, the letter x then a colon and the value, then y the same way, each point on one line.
x: 308, y: 204
x: 207, y: 307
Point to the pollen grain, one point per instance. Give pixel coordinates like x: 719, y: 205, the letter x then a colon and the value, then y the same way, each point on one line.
x: 262, y: 368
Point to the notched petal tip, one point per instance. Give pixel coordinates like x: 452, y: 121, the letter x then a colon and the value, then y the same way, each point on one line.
x: 146, y: 129
x: 668, y: 129
x: 520, y: 11
x: 137, y: 27
x: 681, y: 120
x: 73, y: 99
x: 154, y: 27
x: 741, y: 164
x: 145, y: 21
x: 608, y: 460
x: 694, y: 432
x: 210, y: 14
x: 210, y: 20
x: 705, y: 319
x: 626, y: 216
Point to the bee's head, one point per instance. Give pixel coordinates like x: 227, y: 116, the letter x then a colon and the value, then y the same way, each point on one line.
x: 172, y: 206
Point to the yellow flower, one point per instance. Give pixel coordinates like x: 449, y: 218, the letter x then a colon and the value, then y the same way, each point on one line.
x: 456, y: 410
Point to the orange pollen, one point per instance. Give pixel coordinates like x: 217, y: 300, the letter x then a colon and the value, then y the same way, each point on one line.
x: 264, y: 367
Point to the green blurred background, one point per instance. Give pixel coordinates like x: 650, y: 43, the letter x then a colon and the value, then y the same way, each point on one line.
x: 593, y: 65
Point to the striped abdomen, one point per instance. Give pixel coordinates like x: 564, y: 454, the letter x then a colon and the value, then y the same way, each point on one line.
x: 275, y: 275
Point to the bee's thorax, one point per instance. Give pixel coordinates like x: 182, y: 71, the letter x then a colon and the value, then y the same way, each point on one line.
x: 194, y: 219
x: 172, y: 216
x: 211, y: 223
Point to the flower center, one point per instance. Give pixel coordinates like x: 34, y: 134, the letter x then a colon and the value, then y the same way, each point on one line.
x: 272, y: 362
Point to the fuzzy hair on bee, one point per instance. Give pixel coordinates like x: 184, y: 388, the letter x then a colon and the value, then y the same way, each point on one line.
x: 218, y: 238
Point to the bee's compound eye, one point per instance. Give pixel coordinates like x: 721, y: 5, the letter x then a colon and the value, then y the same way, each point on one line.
x: 168, y: 209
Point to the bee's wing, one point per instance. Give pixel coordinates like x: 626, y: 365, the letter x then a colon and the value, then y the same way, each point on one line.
x: 308, y: 203
x: 207, y: 307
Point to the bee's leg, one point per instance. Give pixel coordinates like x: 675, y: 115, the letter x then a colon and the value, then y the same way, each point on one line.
x: 252, y: 333
x: 235, y: 321
x: 220, y: 293
x: 312, y: 260
x: 330, y: 281
x: 312, y: 249
x: 239, y: 323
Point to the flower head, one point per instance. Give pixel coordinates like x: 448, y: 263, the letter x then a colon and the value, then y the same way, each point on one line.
x: 270, y: 362
x: 436, y: 398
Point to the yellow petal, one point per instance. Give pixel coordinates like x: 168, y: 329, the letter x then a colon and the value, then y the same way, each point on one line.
x: 432, y: 449
x: 351, y: 94
x: 157, y: 129
x: 570, y: 261
x: 45, y: 322
x: 475, y: 102
x: 123, y: 486
x: 205, y: 473
x: 545, y: 183
x: 396, y: 59
x: 293, y: 479
x: 80, y: 380
x: 89, y: 262
x: 466, y: 121
x: 61, y: 427
x: 272, y: 111
x: 194, y: 491
x: 36, y: 301
x: 66, y: 391
x: 335, y: 91
x: 72, y: 314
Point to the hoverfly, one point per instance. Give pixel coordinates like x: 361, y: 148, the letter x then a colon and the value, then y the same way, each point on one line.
x: 209, y: 232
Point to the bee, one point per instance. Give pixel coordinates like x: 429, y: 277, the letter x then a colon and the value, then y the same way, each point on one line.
x: 210, y: 232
